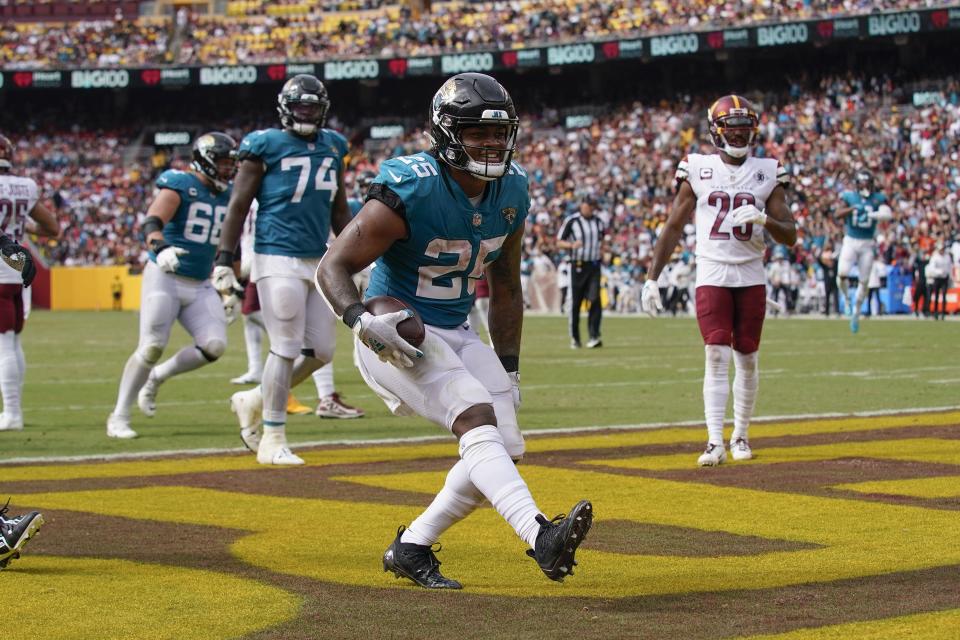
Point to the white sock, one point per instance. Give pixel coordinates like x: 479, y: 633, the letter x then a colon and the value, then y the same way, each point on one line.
x: 10, y: 375
x: 323, y: 378
x: 275, y: 389
x: 135, y: 373
x: 716, y: 387
x: 456, y: 500
x: 745, y: 385
x: 253, y: 337
x: 187, y: 359
x: 495, y: 475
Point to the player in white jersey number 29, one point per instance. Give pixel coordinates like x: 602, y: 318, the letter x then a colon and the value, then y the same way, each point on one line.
x: 735, y: 198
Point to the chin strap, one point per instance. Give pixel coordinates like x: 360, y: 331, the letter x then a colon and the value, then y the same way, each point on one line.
x: 736, y: 152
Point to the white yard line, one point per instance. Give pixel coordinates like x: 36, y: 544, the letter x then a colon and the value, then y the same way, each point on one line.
x: 442, y: 438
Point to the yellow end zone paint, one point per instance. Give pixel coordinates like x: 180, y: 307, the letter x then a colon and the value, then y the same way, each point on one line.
x: 93, y: 599
x: 856, y: 538
x: 941, y: 487
x: 939, y: 625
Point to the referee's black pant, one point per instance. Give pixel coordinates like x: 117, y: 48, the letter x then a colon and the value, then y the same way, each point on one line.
x: 585, y: 285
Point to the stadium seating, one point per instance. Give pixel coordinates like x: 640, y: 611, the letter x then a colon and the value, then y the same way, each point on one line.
x: 625, y: 159
x: 256, y: 31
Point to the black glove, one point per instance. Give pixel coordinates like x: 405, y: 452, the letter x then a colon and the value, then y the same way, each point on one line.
x: 18, y: 258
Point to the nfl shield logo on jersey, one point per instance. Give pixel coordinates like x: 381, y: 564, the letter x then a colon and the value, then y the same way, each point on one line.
x: 761, y: 177
x: 706, y: 174
x: 509, y: 214
x: 477, y: 219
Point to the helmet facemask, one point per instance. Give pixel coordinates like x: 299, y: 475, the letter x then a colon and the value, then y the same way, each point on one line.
x: 304, y: 114
x: 734, y: 134
x: 480, y: 159
x: 216, y: 159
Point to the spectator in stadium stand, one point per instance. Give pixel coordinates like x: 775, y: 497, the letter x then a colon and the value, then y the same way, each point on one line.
x: 938, y: 277
x: 582, y: 234
x: 819, y: 133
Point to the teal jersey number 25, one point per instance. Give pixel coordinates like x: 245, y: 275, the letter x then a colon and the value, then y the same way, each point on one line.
x: 451, y: 241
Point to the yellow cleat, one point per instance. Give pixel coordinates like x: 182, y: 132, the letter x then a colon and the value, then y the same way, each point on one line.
x: 295, y: 408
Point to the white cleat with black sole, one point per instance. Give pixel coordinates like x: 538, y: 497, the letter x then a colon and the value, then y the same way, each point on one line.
x: 714, y: 455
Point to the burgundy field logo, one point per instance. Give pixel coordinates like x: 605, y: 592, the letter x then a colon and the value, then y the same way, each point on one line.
x: 825, y: 29
x: 611, y: 50
x: 277, y: 71
x: 715, y: 40
x: 509, y: 58
x: 940, y: 19
x: 23, y: 79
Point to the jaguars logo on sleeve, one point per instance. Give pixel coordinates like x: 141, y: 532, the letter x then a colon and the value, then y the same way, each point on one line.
x: 196, y: 224
x: 450, y: 241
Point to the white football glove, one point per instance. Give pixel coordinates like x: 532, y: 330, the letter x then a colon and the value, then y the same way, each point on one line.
x: 883, y: 212
x: 224, y: 280
x: 232, y: 305
x: 650, y: 298
x: 379, y: 334
x: 748, y: 214
x: 169, y: 258
x: 515, y: 388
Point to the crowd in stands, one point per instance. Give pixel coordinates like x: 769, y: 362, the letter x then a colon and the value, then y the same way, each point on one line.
x: 625, y: 163
x: 257, y: 31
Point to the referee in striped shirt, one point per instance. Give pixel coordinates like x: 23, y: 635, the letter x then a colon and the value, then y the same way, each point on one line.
x: 582, y: 235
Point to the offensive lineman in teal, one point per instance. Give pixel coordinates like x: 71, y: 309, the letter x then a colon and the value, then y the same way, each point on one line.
x: 182, y: 229
x: 296, y: 175
x: 862, y: 210
x: 435, y: 222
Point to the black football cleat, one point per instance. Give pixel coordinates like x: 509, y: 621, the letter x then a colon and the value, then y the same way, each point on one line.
x: 416, y: 562
x: 15, y: 532
x: 558, y: 540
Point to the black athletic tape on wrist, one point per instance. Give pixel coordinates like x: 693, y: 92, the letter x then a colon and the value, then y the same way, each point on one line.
x: 352, y: 313
x: 223, y: 258
x: 158, y: 245
x: 510, y: 363
x: 151, y: 224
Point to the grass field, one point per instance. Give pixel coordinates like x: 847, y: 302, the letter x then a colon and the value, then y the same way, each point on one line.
x: 648, y: 371
x: 845, y: 527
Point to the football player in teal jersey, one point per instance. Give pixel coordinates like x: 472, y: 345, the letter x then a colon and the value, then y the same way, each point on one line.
x: 435, y: 222
x: 182, y: 229
x: 861, y: 210
x: 296, y: 175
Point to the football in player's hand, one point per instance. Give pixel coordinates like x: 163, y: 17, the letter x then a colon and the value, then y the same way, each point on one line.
x: 411, y: 329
